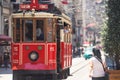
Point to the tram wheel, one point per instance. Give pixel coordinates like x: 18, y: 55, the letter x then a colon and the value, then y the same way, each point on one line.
x: 54, y: 76
x: 68, y: 71
x: 65, y: 74
x: 51, y: 77
x: 18, y: 77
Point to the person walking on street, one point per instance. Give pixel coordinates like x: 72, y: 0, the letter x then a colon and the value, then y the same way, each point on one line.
x: 6, y: 59
x: 97, y: 65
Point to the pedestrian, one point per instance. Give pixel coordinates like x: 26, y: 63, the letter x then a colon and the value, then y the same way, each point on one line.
x: 97, y: 66
x: 6, y: 58
x: 82, y: 51
x: 79, y: 52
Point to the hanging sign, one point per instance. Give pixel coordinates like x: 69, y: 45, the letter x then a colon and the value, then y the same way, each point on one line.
x: 34, y: 5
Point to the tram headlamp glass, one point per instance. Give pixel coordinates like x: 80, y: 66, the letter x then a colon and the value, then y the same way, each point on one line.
x: 33, y: 56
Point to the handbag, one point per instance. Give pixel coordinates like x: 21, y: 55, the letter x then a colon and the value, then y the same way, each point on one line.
x: 106, y: 73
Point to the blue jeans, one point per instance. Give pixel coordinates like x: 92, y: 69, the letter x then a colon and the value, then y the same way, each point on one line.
x: 98, y: 78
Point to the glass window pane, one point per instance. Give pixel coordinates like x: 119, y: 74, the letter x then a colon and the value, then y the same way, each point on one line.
x: 28, y: 29
x: 49, y: 31
x: 39, y: 30
x: 17, y: 30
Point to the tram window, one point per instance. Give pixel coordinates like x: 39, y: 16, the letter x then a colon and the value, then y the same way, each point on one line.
x: 28, y: 30
x: 39, y: 30
x: 23, y: 22
x: 66, y: 34
x: 17, y: 31
x: 50, y: 31
x: 69, y: 34
x: 54, y: 33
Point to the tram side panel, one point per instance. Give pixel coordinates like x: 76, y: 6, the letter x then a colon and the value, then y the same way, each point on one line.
x: 15, y: 56
x: 70, y: 54
x: 66, y: 55
x: 51, y: 56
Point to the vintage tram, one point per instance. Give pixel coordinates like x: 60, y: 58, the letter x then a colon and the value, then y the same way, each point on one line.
x: 41, y: 46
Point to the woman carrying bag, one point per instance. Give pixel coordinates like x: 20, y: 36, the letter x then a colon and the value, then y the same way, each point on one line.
x: 97, y: 66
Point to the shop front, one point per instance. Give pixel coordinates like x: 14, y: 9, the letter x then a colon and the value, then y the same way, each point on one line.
x: 4, y: 48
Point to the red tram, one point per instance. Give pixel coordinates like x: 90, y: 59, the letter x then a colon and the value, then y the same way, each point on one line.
x: 41, y: 46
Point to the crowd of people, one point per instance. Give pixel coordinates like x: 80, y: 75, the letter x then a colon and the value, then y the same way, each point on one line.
x: 77, y: 52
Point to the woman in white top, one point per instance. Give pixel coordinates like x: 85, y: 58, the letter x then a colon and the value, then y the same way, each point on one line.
x: 96, y: 67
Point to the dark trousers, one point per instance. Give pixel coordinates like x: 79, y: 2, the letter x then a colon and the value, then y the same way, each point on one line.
x: 98, y: 78
x: 6, y: 62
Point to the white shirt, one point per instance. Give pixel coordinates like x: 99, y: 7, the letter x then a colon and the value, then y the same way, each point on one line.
x: 98, y: 70
x: 38, y: 32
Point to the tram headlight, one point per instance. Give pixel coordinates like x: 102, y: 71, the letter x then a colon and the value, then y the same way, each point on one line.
x: 33, y: 56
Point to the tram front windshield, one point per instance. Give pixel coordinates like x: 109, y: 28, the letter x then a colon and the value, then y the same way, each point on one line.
x: 33, y: 30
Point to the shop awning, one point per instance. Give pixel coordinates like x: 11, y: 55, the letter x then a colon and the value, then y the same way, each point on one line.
x: 4, y: 37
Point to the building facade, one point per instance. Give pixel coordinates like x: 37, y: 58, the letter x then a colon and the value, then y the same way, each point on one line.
x: 93, y: 19
x: 5, y: 25
x: 77, y: 8
x: 5, y: 13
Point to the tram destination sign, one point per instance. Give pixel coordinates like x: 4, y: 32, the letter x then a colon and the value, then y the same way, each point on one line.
x: 31, y: 6
x: 34, y: 5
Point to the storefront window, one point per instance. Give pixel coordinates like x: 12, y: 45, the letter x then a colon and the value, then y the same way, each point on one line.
x: 49, y: 31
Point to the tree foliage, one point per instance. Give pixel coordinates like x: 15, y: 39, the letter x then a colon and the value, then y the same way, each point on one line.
x: 112, y: 35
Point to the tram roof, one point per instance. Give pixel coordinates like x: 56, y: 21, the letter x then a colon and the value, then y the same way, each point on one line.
x: 41, y: 15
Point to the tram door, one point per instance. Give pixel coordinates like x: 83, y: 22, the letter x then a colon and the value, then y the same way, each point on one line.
x: 59, y: 28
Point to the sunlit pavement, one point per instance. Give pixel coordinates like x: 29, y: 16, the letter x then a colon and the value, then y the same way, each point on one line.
x: 5, y: 74
x: 80, y: 68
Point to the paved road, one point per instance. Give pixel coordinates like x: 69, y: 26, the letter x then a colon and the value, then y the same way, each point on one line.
x: 5, y: 74
x: 79, y: 64
x: 79, y: 70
